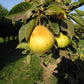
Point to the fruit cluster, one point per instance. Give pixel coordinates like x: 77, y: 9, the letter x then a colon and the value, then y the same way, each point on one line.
x: 41, y: 40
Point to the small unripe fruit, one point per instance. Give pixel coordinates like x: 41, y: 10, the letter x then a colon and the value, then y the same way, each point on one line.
x: 62, y: 40
x: 41, y: 40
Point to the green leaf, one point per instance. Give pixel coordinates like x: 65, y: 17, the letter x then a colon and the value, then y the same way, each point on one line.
x: 29, y: 27
x: 59, y: 4
x: 28, y: 59
x: 54, y: 10
x: 74, y: 4
x: 53, y: 80
x: 80, y: 12
x: 67, y: 1
x: 68, y: 26
x: 54, y: 28
x: 24, y: 51
x: 26, y: 30
x: 22, y: 10
x: 77, y: 18
x: 41, y: 82
x: 21, y: 34
x: 82, y: 1
x: 74, y: 44
x: 22, y: 45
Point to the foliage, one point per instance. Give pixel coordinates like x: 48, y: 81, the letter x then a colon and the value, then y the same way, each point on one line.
x: 57, y: 17
x: 3, y: 11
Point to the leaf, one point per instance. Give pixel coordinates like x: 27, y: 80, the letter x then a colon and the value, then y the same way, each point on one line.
x: 54, y: 10
x: 53, y: 79
x: 29, y: 27
x: 74, y: 44
x: 28, y: 59
x: 21, y: 34
x: 22, y: 10
x: 77, y: 18
x: 26, y: 30
x: 59, y: 4
x: 54, y: 28
x: 74, y: 4
x: 80, y: 12
x: 82, y: 1
x: 68, y: 26
x: 24, y: 52
x: 40, y: 82
x: 67, y: 1
x: 22, y: 45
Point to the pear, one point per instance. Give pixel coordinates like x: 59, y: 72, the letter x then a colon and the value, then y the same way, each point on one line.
x: 41, y: 40
x: 62, y: 40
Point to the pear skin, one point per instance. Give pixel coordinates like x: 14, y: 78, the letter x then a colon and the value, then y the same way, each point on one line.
x: 62, y: 40
x: 41, y: 40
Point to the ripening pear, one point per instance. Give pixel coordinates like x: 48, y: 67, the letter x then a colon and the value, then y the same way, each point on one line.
x: 62, y: 40
x: 41, y: 40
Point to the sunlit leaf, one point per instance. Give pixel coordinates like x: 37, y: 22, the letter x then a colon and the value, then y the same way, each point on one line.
x: 22, y: 10
x: 53, y: 79
x: 28, y: 59
x: 68, y: 26
x: 67, y: 1
x: 74, y: 4
x: 80, y: 12
x: 77, y: 18
x: 22, y: 45
x: 54, y: 10
x: 61, y: 5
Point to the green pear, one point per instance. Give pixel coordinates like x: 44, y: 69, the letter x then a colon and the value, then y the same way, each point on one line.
x: 62, y: 40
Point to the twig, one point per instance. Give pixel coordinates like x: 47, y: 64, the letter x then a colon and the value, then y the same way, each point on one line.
x: 39, y: 17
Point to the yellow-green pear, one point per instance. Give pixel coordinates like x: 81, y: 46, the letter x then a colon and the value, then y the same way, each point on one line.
x: 62, y: 40
x: 41, y: 40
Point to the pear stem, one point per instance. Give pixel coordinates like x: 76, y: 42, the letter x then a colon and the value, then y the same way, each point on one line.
x: 39, y: 17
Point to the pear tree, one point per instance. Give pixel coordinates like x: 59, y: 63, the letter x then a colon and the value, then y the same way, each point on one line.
x: 48, y: 32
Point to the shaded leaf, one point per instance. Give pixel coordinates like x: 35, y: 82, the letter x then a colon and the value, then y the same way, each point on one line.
x: 21, y: 34
x: 82, y: 1
x: 77, y: 18
x: 67, y: 1
x: 74, y: 44
x: 22, y: 10
x: 80, y: 12
x: 29, y: 27
x: 54, y: 10
x: 22, y: 45
x: 59, y: 4
x: 24, y: 51
x: 55, y: 28
x: 68, y: 26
